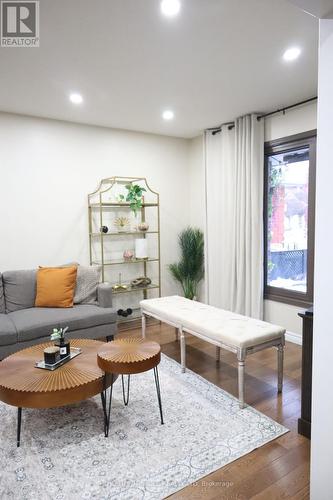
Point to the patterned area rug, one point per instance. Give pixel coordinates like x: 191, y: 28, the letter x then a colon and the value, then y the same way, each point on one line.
x: 64, y: 454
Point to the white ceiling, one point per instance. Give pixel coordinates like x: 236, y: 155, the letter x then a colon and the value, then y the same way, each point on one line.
x: 218, y: 59
x: 318, y: 8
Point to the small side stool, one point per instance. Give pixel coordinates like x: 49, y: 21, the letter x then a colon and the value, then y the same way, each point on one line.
x: 128, y: 356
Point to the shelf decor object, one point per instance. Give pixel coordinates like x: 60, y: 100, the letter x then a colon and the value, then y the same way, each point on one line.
x: 128, y: 255
x: 122, y: 224
x: 119, y: 286
x: 58, y: 334
x: 143, y: 227
x: 132, y: 209
x: 141, y: 249
x: 74, y: 351
x: 51, y: 355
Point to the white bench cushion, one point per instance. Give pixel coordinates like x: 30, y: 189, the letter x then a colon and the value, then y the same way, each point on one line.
x: 222, y: 326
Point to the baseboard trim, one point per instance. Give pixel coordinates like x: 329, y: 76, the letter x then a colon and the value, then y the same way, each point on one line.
x: 295, y: 338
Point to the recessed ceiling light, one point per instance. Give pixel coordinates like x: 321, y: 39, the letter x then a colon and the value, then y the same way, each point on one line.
x: 292, y: 54
x: 170, y: 8
x: 76, y: 98
x: 168, y: 115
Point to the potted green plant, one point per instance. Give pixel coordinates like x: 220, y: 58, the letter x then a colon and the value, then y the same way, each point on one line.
x: 189, y: 271
x: 64, y: 346
x: 133, y: 197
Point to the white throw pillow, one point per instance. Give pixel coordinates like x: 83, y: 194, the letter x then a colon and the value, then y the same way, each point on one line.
x: 87, y: 279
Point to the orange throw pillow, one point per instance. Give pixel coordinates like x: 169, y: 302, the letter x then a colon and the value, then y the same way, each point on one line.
x: 55, y: 286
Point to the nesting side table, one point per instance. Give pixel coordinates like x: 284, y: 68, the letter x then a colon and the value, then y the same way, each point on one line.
x: 128, y: 356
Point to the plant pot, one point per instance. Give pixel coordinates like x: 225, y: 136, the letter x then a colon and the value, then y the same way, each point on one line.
x: 64, y: 347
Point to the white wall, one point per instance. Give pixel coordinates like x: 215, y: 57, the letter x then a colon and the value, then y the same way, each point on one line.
x: 295, y: 121
x: 196, y: 184
x: 47, y: 168
x: 322, y: 402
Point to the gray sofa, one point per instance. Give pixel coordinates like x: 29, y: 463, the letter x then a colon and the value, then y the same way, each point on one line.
x: 22, y: 324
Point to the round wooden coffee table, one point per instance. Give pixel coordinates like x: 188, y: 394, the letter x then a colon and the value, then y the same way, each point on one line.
x: 129, y: 356
x: 25, y: 386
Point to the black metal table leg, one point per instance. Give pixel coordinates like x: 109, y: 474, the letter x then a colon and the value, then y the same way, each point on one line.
x: 126, y: 399
x: 107, y: 427
x: 19, y: 421
x: 104, y: 409
x: 158, y: 390
x: 103, y: 398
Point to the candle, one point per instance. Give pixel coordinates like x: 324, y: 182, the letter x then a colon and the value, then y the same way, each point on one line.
x: 141, y: 248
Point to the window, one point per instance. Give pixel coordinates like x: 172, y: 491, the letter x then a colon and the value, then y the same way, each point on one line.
x: 289, y: 218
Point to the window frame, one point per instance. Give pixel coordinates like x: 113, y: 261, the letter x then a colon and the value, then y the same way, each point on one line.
x: 288, y: 144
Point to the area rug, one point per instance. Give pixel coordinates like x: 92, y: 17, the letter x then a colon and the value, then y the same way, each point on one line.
x: 64, y: 454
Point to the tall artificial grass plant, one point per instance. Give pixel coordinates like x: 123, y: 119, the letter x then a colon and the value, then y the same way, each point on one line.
x: 189, y: 271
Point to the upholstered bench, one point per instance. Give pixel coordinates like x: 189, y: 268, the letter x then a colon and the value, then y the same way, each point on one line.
x: 236, y: 333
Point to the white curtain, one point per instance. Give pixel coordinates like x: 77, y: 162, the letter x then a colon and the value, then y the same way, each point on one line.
x: 234, y: 167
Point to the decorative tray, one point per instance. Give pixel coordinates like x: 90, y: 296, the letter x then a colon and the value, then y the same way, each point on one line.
x: 75, y: 351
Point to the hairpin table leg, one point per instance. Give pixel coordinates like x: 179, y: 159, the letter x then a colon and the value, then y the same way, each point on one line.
x: 158, y: 390
x: 103, y: 398
x: 108, y: 416
x: 125, y: 398
x: 19, y: 421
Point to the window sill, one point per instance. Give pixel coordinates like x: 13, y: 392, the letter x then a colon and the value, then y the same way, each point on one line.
x: 292, y: 301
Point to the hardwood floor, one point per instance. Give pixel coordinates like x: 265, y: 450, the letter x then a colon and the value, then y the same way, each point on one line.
x: 277, y: 470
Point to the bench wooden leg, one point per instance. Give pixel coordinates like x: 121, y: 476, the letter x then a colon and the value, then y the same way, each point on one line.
x: 280, y: 366
x: 218, y: 352
x: 241, y: 379
x: 182, y: 349
x: 143, y: 322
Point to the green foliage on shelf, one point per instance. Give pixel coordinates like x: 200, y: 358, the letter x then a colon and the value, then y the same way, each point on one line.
x: 189, y: 271
x: 133, y: 197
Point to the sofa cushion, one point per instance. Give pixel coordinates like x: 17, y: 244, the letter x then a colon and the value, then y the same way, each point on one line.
x: 55, y: 286
x: 2, y: 297
x: 87, y: 279
x: 8, y: 333
x: 38, y: 322
x: 19, y: 289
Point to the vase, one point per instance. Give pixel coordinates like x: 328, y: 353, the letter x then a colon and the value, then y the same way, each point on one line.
x: 64, y: 347
x: 143, y: 227
x: 128, y: 255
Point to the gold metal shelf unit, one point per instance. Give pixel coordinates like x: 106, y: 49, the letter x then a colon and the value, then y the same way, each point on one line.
x: 103, y: 204
x: 124, y: 233
x: 122, y: 262
x: 121, y: 205
x: 135, y: 289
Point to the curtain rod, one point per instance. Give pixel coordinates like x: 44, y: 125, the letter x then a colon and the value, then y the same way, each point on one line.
x: 216, y: 130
